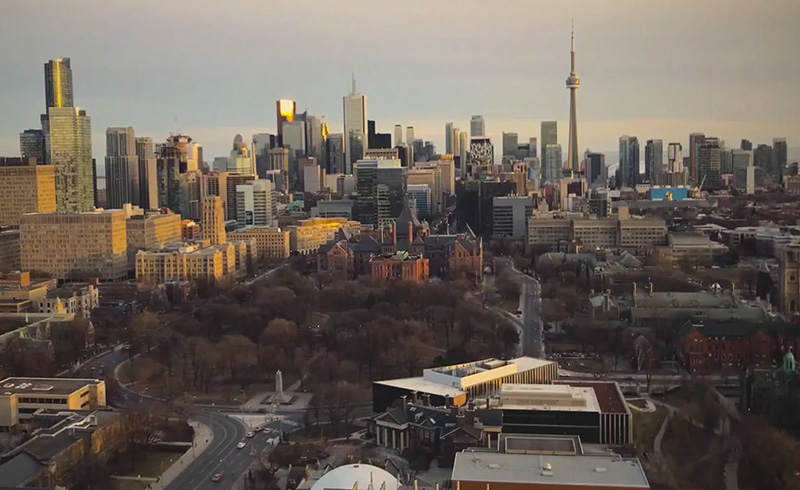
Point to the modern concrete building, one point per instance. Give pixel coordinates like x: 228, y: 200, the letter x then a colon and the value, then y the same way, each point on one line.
x: 271, y: 242
x: 654, y: 161
x: 333, y: 209
x: 75, y: 245
x: 596, y: 172
x: 381, y: 188
x: 510, y: 216
x: 549, y: 130
x: 448, y: 138
x: 279, y: 160
x: 254, y: 204
x: 420, y: 194
x: 152, y: 231
x: 148, y: 173
x: 122, y: 168
x: 477, y: 127
x: 9, y: 251
x: 459, y: 383
x: 573, y: 84
x: 510, y: 144
x: 213, y: 220
x: 694, y: 146
x: 552, y: 165
x: 21, y: 398
x: 779, y: 158
x: 26, y: 186
x: 430, y: 174
x: 596, y: 233
x: 285, y: 111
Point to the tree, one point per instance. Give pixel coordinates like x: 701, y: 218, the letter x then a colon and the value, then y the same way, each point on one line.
x: 144, y: 328
x: 281, y: 333
x: 237, y: 352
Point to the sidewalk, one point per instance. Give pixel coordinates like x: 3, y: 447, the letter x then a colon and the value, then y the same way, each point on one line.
x: 203, y: 436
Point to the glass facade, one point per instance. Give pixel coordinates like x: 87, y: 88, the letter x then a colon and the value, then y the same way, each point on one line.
x: 68, y: 144
x: 58, y: 83
x: 31, y: 144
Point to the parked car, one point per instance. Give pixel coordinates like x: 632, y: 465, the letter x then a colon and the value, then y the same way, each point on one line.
x: 240, y: 445
x: 250, y: 434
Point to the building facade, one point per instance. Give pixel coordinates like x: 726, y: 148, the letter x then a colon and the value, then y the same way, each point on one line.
x: 26, y: 186
x: 271, y: 242
x: 75, y: 245
x: 21, y: 397
x: 213, y: 220
x: 122, y: 168
x: 68, y: 143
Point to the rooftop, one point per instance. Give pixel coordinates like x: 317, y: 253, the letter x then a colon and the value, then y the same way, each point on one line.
x: 42, y: 386
x: 422, y: 385
x: 562, y: 398
x: 68, y: 290
x: 550, y: 470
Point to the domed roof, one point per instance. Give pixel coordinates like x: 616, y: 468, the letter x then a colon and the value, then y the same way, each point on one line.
x: 347, y: 476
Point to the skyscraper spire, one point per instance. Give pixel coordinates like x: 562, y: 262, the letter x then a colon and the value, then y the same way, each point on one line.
x: 573, y: 84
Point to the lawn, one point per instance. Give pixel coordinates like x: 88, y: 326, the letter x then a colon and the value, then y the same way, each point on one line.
x: 127, y: 485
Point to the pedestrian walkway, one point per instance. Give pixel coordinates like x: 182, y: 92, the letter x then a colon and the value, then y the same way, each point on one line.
x: 203, y: 436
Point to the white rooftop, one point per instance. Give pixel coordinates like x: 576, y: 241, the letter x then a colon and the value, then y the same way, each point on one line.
x: 555, y: 471
x: 564, y: 398
x: 352, y: 476
x: 422, y: 385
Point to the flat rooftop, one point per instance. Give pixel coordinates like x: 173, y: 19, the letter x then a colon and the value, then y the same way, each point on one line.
x: 67, y: 290
x: 560, y: 398
x: 422, y: 385
x: 550, y: 470
x: 44, y: 386
x: 468, y: 369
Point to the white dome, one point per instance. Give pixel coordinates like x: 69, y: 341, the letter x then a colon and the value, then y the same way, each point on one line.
x: 345, y: 478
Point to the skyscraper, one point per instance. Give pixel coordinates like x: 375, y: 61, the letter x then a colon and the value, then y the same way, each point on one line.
x: 148, y: 174
x: 410, y: 135
x: 741, y: 162
x: 32, y: 144
x: 477, y: 127
x: 68, y: 144
x: 762, y: 158
x: 675, y: 158
x: 709, y: 164
x: 629, y: 160
x: 355, y: 126
x: 553, y: 165
x: 779, y: 158
x: 654, y: 161
x: 573, y: 84
x: 510, y: 144
x: 335, y: 154
x: 448, y: 138
x: 25, y: 187
x: 595, y: 168
x: 58, y: 83
x: 746, y: 145
x: 463, y: 147
x: 262, y: 143
x: 381, y: 190
x: 213, y: 220
x: 254, y: 203
x: 532, y: 147
x: 694, y: 143
x: 398, y: 135
x: 316, y: 134
x: 122, y: 168
x: 285, y: 110
x: 549, y: 136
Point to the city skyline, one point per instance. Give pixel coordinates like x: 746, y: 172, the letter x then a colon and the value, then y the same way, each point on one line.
x: 656, y: 99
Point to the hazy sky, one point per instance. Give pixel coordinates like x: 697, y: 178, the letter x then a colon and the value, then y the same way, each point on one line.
x: 729, y: 68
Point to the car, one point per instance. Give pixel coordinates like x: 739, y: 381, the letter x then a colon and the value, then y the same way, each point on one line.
x: 259, y: 429
x: 217, y: 478
x: 250, y: 434
x: 241, y: 445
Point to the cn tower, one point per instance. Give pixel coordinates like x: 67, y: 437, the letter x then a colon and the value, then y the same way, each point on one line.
x: 573, y: 84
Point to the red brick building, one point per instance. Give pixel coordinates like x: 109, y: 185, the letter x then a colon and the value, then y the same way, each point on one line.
x: 736, y: 345
x: 401, y: 266
x: 347, y: 257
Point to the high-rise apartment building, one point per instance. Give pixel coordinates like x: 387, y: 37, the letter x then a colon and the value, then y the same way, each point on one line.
x: 410, y: 139
x: 285, y: 111
x: 532, y: 147
x: 355, y: 127
x: 316, y: 137
x: 122, y: 168
x: 262, y: 143
x: 254, y: 204
x: 675, y: 174
x: 463, y: 148
x: 553, y: 164
x: 709, y: 164
x: 477, y: 127
x: 294, y: 138
x: 746, y: 145
x: 596, y: 169
x: 763, y: 159
x: 629, y: 160
x: 694, y: 144
x: 654, y: 161
x: 75, y: 245
x: 430, y: 174
x: 510, y: 144
x: 398, y: 135
x: 58, y: 83
x: 420, y: 195
x: 549, y: 136
x: 741, y: 163
x: 68, y: 143
x: 779, y: 158
x: 279, y: 160
x: 178, y: 177
x: 32, y: 144
x: 573, y: 84
x: 213, y: 220
x: 335, y: 154
x: 25, y: 187
x: 448, y: 138
x: 148, y: 173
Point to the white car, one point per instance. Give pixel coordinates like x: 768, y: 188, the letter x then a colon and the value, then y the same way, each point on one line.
x: 240, y: 445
